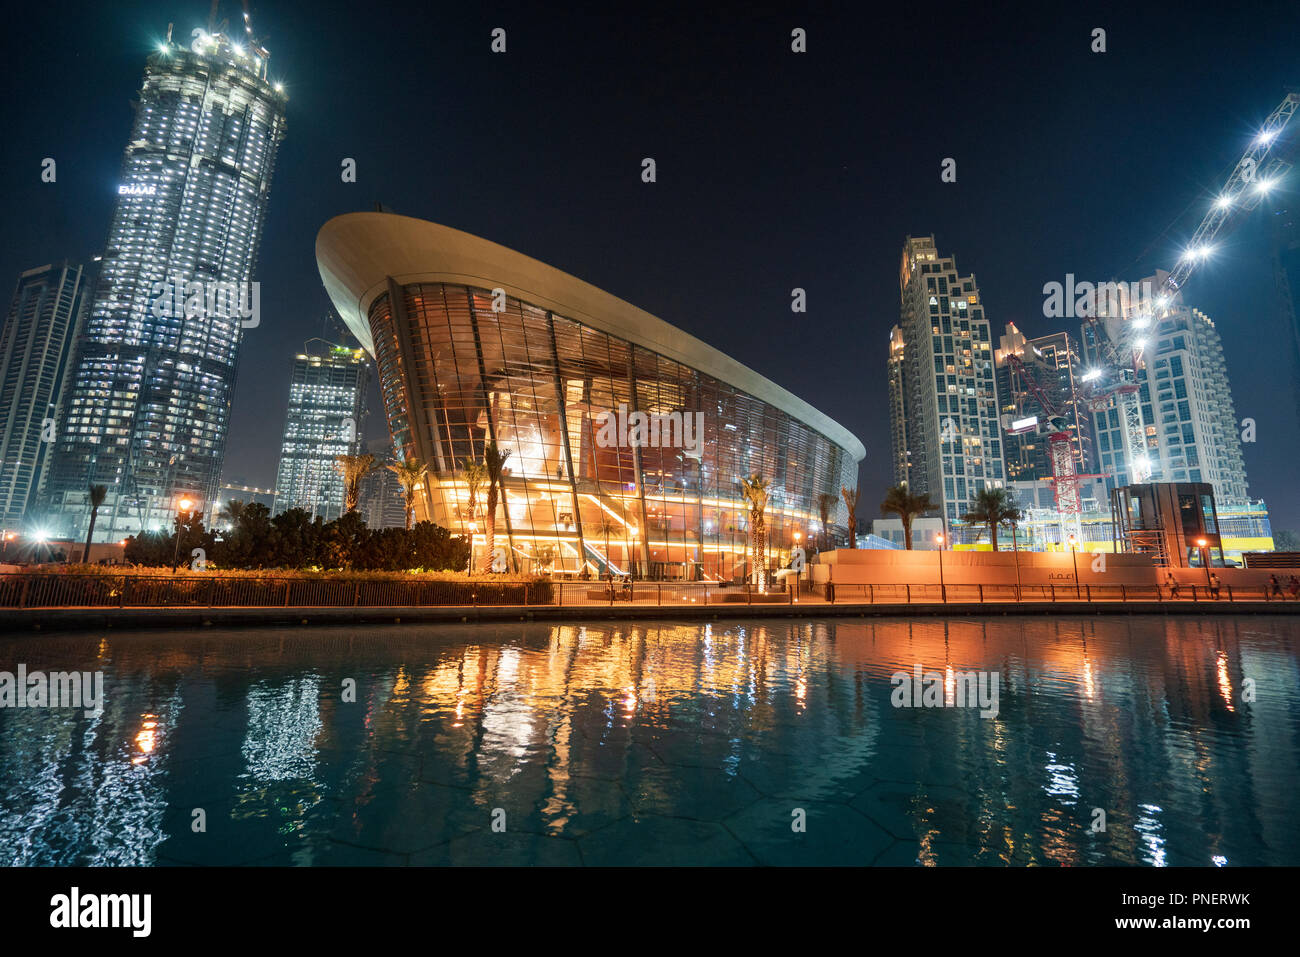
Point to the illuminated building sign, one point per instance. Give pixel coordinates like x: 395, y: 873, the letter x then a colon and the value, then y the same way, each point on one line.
x: 133, y: 189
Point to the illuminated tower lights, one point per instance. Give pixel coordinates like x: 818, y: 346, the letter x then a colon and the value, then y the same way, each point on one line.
x: 149, y: 398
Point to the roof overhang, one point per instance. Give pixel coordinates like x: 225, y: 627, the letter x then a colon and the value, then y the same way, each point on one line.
x: 358, y: 252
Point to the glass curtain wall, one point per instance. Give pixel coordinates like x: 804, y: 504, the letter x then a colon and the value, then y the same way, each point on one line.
x: 455, y: 374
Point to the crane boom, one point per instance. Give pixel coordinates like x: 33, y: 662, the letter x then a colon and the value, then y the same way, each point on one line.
x: 1254, y: 175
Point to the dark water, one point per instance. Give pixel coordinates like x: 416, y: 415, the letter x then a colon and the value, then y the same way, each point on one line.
x: 659, y: 743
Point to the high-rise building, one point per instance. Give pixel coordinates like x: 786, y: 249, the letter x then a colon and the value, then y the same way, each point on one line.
x: 1286, y: 273
x: 149, y: 397
x: 1052, y: 364
x: 40, y: 330
x: 951, y: 403
x: 1189, y: 420
x: 327, y: 407
x: 1195, y: 420
x: 899, y: 455
x: 383, y: 503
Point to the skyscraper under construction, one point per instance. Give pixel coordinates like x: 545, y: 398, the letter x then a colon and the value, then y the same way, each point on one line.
x: 148, y: 401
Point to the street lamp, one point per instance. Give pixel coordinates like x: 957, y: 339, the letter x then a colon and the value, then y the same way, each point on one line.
x: 798, y: 572
x: 183, y: 506
x: 1015, y: 548
x: 943, y: 589
x: 1204, y: 547
x: 1074, y: 550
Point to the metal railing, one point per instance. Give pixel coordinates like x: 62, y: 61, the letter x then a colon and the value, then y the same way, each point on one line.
x: 216, y: 591
x: 1037, y: 594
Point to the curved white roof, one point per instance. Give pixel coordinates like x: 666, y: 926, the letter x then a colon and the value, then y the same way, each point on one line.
x: 357, y: 252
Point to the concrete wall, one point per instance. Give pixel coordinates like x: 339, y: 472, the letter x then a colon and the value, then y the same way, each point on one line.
x: 106, y: 552
x: 899, y: 567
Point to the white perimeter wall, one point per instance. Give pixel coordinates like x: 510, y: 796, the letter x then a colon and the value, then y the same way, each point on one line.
x: 901, y: 567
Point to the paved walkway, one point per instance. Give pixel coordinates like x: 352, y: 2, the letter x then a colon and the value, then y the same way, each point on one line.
x: 81, y: 619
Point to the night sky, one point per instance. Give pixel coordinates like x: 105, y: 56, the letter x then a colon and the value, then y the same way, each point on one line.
x: 775, y: 169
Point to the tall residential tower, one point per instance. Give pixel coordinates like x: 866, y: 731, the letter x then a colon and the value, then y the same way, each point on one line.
x: 1191, y: 427
x: 45, y: 317
x: 899, y: 455
x: 950, y: 395
x: 149, y: 398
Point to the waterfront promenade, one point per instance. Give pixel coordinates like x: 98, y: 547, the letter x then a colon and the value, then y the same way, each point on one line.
x: 36, y: 602
x: 15, y: 621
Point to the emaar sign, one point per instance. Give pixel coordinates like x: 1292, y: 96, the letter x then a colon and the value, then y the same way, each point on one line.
x: 134, y: 189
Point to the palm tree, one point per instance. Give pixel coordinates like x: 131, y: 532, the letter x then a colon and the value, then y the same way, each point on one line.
x: 231, y: 512
x: 474, y: 476
x: 825, y: 501
x: 755, y: 490
x: 851, y: 496
x: 95, y: 495
x: 353, y: 468
x: 410, y: 473
x: 605, y: 527
x: 993, y: 507
x: 901, y: 502
x: 494, y: 460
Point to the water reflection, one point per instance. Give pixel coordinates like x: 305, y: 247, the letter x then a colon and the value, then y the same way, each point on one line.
x: 629, y: 743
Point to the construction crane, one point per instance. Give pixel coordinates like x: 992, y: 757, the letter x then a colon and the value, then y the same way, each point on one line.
x: 1120, y: 339
x: 1060, y: 447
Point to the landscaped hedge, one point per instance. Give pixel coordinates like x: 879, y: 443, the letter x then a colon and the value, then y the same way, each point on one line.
x: 93, y: 585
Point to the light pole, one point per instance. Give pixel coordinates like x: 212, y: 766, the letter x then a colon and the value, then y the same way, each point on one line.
x: 798, y: 537
x: 943, y: 589
x: 1074, y: 551
x: 182, y: 507
x: 1015, y: 547
x: 1204, y: 546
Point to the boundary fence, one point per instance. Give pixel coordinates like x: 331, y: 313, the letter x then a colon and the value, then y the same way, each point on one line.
x: 105, y: 591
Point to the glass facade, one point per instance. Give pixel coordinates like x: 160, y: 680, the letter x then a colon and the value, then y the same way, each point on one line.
x: 327, y: 408
x: 455, y: 374
x: 149, y: 394
x: 953, y: 431
x: 45, y: 319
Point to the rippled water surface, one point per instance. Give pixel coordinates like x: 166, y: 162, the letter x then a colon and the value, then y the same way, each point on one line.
x: 770, y: 742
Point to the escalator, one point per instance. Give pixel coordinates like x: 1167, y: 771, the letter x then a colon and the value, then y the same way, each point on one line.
x: 603, y: 566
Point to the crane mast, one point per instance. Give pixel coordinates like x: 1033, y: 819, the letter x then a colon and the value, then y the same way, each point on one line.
x: 1060, y: 447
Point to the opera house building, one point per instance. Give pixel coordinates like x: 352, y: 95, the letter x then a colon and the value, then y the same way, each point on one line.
x: 628, y: 438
